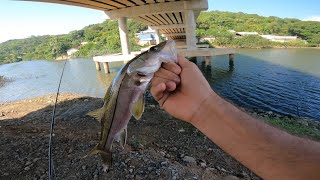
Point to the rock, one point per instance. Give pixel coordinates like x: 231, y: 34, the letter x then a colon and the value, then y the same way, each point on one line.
x: 150, y: 169
x: 70, y: 150
x: 130, y: 170
x: 1, y: 114
x: 36, y: 159
x: 181, y: 130
x: 137, y: 177
x: 173, y: 149
x: 209, y: 175
x: 269, y: 113
x: 167, y: 156
x: 305, y: 123
x: 84, y: 167
x: 203, y: 164
x: 152, y: 106
x: 162, y: 153
x: 181, y: 155
x: 27, y: 168
x: 230, y: 177
x: 157, y: 172
x: 164, y: 163
x: 243, y: 175
x: 189, y: 159
x: 6, y: 174
x: 86, y: 100
x: 28, y: 163
x: 127, y: 160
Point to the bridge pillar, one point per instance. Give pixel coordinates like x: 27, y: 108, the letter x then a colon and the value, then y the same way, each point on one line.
x: 190, y: 29
x: 124, y: 38
x: 158, y: 40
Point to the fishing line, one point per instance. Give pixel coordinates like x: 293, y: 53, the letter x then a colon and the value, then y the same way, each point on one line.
x: 51, y: 167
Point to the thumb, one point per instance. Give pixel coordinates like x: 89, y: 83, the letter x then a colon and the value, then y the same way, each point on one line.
x: 182, y: 61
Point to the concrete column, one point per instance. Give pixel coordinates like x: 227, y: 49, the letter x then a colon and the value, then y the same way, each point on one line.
x: 190, y: 29
x: 207, y: 60
x: 98, y: 68
x: 106, y: 67
x: 231, y: 60
x: 158, y: 40
x: 123, y: 30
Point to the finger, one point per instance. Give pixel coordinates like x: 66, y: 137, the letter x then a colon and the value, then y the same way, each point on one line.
x: 171, y: 86
x: 163, y: 99
x: 172, y: 67
x: 168, y: 75
x: 182, y: 61
x: 157, y: 91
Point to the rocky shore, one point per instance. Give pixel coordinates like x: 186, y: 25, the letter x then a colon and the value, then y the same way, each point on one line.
x: 2, y: 81
x: 159, y: 146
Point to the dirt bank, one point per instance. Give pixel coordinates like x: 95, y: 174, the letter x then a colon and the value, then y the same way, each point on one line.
x: 159, y: 146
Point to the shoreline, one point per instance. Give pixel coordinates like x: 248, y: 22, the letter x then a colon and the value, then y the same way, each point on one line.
x: 272, y: 47
x: 270, y: 117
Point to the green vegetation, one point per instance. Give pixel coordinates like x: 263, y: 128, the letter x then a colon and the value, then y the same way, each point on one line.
x: 101, y: 39
x: 295, y: 128
x: 104, y: 38
x: 217, y: 24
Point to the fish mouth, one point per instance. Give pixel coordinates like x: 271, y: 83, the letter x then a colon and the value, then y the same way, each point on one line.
x: 141, y: 74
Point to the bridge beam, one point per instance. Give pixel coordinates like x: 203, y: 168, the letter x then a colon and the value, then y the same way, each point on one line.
x: 157, y: 8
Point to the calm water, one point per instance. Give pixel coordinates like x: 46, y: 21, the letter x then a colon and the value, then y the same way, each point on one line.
x: 286, y: 81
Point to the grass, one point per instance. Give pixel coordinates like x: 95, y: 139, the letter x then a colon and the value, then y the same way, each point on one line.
x: 295, y: 128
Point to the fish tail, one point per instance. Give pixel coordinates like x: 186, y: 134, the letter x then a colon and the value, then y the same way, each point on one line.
x: 105, y: 155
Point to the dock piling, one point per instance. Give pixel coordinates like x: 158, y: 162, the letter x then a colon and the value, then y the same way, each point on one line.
x: 98, y: 68
x: 231, y: 59
x: 106, y: 67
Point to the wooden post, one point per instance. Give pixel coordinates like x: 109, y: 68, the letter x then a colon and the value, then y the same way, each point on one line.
x: 106, y: 67
x: 98, y: 68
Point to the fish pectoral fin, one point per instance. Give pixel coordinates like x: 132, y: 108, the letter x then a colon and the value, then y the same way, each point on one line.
x: 123, y: 137
x: 97, y: 114
x: 137, y: 108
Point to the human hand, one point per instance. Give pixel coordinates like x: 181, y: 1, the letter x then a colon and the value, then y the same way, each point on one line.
x: 180, y: 88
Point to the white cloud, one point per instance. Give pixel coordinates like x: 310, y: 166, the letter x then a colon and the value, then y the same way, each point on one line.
x: 312, y: 18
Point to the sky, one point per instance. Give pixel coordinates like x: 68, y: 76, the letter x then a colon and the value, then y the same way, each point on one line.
x: 19, y: 19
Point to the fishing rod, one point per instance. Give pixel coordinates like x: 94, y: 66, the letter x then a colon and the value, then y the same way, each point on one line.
x: 51, y: 167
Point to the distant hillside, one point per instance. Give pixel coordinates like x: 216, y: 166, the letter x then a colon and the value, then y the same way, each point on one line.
x: 103, y: 38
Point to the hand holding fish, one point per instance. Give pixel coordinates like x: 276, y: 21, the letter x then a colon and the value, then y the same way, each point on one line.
x: 269, y: 152
x: 182, y: 86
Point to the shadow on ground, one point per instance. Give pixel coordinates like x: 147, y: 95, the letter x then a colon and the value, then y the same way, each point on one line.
x: 159, y: 146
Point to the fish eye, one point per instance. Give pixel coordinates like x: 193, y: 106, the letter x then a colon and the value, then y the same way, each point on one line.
x: 154, y: 48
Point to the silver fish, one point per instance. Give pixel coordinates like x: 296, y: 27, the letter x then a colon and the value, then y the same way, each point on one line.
x: 125, y: 97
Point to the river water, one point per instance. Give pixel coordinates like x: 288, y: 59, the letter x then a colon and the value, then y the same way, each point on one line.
x: 286, y: 81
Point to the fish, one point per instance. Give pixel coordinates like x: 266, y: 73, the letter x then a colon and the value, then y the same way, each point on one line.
x: 125, y: 97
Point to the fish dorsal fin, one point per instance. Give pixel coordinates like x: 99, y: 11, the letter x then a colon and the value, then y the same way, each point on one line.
x: 97, y: 114
x: 138, y: 107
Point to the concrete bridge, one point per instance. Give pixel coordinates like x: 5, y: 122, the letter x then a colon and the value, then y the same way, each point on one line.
x: 174, y: 19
